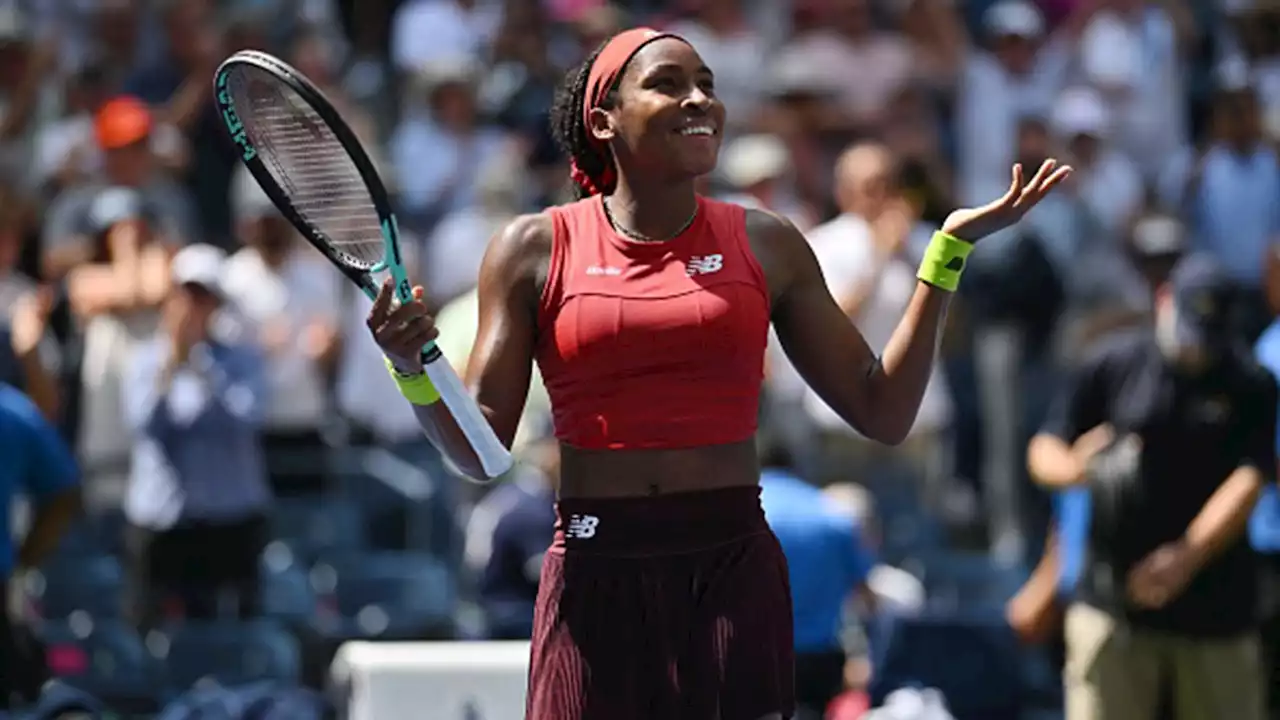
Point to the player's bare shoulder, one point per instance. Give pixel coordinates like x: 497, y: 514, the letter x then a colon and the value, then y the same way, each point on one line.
x: 780, y: 248
x: 520, y: 252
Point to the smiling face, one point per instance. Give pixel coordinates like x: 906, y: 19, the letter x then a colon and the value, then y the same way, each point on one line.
x: 667, y: 119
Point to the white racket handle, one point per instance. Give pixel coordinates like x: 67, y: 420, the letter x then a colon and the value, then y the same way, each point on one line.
x: 494, y: 457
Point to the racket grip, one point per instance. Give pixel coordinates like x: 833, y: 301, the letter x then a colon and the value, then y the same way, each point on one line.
x: 493, y: 455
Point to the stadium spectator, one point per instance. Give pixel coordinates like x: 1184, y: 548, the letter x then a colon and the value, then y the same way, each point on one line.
x: 1135, y: 53
x: 25, y: 60
x: 198, y: 494
x: 29, y: 354
x: 293, y: 301
x: 38, y: 464
x: 865, y: 260
x: 131, y: 183
x: 451, y: 260
x: 176, y: 86
x: 1016, y: 74
x: 65, y: 151
x: 1173, y: 432
x: 1264, y: 525
x: 508, y: 533
x: 460, y: 30
x: 110, y: 241
x: 1228, y: 187
x: 757, y: 170
x: 721, y: 31
x: 827, y: 562
x: 1109, y: 185
x: 442, y: 143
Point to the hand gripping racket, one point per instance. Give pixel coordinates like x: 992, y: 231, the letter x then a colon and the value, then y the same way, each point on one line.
x: 309, y: 162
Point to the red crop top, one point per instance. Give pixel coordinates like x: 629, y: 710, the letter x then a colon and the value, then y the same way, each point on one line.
x: 652, y: 345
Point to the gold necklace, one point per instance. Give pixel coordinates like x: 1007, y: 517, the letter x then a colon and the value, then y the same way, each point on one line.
x: 640, y: 237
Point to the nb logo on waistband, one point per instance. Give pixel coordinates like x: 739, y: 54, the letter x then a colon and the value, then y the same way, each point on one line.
x: 582, y: 526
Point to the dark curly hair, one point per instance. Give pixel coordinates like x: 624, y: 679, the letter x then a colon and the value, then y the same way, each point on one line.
x: 571, y: 133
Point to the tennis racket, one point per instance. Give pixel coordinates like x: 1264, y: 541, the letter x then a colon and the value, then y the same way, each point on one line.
x: 308, y: 161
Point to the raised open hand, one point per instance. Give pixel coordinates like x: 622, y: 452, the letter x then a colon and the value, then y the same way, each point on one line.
x: 973, y: 224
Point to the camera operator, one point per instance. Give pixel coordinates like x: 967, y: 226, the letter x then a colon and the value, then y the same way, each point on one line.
x: 1172, y: 429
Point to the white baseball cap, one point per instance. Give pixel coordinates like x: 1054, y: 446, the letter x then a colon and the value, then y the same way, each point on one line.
x: 1080, y: 111
x: 1014, y: 17
x: 199, y: 264
x: 754, y: 158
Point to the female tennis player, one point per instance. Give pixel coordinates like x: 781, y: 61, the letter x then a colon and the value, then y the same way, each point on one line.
x: 646, y: 307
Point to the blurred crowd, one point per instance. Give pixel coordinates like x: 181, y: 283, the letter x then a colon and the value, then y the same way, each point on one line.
x: 130, y: 234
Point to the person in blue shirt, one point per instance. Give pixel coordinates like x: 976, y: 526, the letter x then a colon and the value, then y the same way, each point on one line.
x: 1264, y: 524
x: 198, y: 492
x: 827, y: 563
x: 34, y: 461
x: 508, y: 533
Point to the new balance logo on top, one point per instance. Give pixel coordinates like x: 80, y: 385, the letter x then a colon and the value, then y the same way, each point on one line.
x: 603, y: 270
x: 582, y: 526
x: 704, y: 264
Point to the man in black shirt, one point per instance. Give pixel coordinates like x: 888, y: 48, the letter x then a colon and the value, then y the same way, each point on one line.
x: 1173, y: 430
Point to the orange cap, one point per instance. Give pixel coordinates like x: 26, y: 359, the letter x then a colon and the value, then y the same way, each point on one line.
x: 121, y: 122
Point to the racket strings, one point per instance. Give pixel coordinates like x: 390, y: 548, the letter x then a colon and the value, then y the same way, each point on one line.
x: 309, y: 163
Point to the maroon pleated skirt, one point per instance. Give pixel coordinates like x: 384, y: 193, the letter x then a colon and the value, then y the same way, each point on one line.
x: 674, y: 607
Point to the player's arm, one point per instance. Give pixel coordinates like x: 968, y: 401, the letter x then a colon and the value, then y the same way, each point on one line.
x: 511, y: 278
x: 879, y: 397
x: 501, y: 361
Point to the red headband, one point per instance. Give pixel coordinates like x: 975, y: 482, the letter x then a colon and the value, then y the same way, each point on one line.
x: 606, y: 69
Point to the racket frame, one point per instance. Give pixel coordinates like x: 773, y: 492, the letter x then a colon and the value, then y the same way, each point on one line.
x: 393, y: 260
x: 492, y: 454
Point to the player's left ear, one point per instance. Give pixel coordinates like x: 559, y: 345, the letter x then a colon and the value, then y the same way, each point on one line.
x: 601, y: 127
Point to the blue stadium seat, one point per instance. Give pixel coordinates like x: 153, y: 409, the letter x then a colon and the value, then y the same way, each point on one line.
x: 66, y: 586
x: 973, y: 659
x: 385, y: 595
x: 287, y: 595
x: 105, y: 659
x: 315, y: 526
x: 230, y: 653
x: 910, y: 535
x: 98, y: 533
x: 963, y: 581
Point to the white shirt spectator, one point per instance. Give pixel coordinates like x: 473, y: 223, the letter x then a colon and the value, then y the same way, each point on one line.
x: 1136, y: 62
x: 301, y: 291
x: 845, y: 251
x: 1110, y: 186
x: 992, y: 99
x: 426, y: 31
x: 864, y: 75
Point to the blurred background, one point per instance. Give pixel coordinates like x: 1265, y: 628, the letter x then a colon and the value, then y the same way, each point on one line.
x: 864, y: 121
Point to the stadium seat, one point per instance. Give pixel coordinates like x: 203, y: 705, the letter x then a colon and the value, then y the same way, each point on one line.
x: 101, y: 534
x: 384, y: 595
x: 105, y: 659
x: 230, y: 653
x: 963, y: 581
x: 316, y: 526
x: 67, y: 586
x: 973, y: 659
x: 287, y: 595
x: 910, y: 535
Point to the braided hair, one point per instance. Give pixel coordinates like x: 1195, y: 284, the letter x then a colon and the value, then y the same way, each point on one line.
x: 574, y: 137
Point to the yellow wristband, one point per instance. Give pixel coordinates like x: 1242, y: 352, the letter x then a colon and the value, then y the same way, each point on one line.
x: 417, y: 389
x: 944, y: 261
